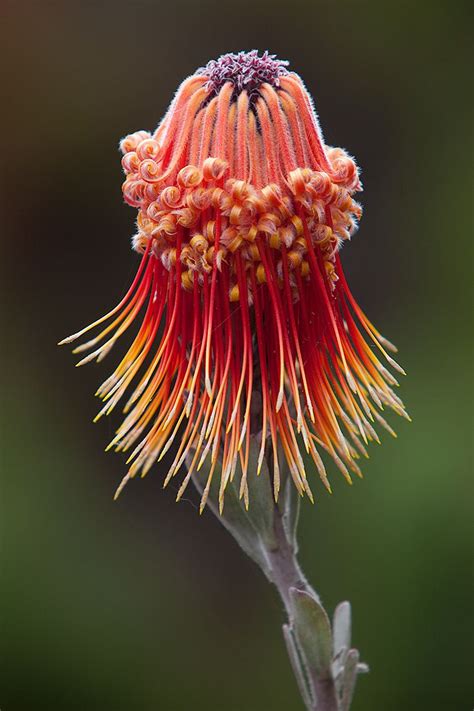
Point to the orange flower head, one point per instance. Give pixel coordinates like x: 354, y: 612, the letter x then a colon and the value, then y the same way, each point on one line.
x: 247, y: 327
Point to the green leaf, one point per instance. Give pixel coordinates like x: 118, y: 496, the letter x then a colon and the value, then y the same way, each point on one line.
x: 341, y: 642
x: 342, y: 627
x: 252, y: 527
x: 261, y: 510
x: 235, y: 519
x: 349, y: 679
x: 313, y: 632
x: 289, y: 506
x: 296, y: 665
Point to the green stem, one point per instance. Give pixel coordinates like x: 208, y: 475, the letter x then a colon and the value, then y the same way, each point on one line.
x: 287, y: 574
x: 266, y: 531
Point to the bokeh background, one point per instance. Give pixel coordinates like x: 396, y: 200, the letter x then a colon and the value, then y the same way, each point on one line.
x: 142, y: 604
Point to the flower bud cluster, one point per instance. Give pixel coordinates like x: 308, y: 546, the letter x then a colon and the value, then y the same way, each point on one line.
x: 217, y: 216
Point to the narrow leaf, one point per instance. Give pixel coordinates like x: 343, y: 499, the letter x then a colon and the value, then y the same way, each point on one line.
x: 296, y: 665
x: 342, y: 627
x: 349, y: 679
x: 289, y: 505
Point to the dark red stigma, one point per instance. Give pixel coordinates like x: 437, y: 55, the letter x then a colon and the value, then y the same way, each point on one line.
x: 246, y: 70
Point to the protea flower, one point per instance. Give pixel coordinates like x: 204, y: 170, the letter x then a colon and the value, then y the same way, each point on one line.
x: 246, y: 323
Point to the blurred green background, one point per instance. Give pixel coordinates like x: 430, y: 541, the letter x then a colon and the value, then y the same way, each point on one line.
x: 142, y: 604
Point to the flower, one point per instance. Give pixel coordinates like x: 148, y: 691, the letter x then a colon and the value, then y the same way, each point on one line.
x: 247, y: 324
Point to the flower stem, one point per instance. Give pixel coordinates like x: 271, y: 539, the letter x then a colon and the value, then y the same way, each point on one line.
x: 324, y: 665
x: 286, y: 571
x: 287, y: 575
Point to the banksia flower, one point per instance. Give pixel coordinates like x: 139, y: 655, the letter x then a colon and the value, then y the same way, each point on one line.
x: 246, y: 322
